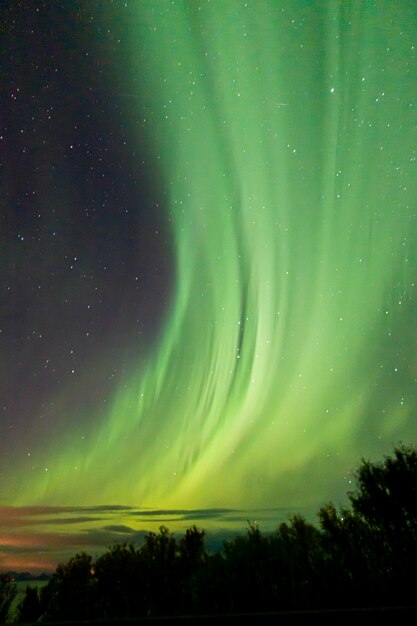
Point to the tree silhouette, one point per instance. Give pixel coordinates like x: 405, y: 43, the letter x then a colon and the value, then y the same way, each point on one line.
x: 353, y: 564
x: 69, y: 594
x: 386, y: 501
x: 386, y: 495
x: 301, y: 562
x: 158, y: 556
x: 30, y: 608
x: 7, y: 595
x: 120, y: 583
x: 248, y: 570
x: 192, y: 559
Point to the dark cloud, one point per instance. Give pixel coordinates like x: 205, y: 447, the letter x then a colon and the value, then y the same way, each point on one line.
x: 120, y: 529
x: 67, y: 520
x: 185, y: 513
x: 32, y: 511
x: 11, y: 549
x: 99, y: 538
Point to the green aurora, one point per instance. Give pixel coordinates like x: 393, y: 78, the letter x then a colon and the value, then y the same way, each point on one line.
x: 285, y: 137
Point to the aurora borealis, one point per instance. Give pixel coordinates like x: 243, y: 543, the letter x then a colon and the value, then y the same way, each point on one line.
x: 210, y: 256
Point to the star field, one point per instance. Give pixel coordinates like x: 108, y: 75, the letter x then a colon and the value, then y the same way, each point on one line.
x: 85, y: 261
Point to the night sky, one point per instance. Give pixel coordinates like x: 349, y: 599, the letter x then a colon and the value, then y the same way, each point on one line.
x: 208, y: 275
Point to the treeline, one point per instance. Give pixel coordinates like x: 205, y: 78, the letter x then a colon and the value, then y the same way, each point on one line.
x: 364, y: 555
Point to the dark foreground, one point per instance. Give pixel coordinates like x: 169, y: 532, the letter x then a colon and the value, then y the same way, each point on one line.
x: 396, y: 615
